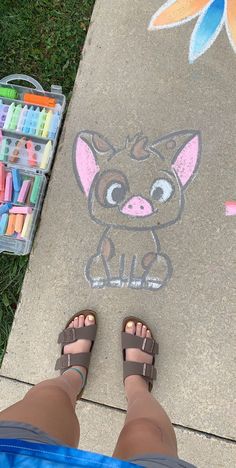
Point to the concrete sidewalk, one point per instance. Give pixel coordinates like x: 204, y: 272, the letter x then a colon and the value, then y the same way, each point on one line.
x: 132, y: 80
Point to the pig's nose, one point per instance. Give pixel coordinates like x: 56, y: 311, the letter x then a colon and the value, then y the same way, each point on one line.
x: 137, y: 206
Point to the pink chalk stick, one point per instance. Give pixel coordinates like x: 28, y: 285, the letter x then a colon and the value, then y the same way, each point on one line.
x: 8, y: 188
x: 24, y: 191
x: 20, y: 210
x: 230, y: 208
x: 2, y: 177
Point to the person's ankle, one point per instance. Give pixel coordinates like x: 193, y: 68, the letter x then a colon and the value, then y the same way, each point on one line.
x: 77, y: 373
x: 135, y: 384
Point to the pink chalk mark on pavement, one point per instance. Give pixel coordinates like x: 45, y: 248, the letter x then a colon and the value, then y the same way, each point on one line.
x: 186, y: 160
x: 230, y: 208
x: 137, y: 206
x: 86, y: 165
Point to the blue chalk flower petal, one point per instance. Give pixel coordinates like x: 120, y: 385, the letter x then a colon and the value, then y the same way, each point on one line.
x: 207, y: 29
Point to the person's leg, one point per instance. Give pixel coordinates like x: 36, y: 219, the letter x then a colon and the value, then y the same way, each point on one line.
x: 147, y: 428
x: 50, y: 405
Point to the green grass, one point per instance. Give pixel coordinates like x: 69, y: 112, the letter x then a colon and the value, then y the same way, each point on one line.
x: 44, y: 39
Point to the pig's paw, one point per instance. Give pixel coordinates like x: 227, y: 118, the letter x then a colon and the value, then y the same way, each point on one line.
x: 117, y: 282
x: 98, y: 282
x: 135, y: 283
x: 96, y: 273
x: 159, y: 273
x: 152, y: 284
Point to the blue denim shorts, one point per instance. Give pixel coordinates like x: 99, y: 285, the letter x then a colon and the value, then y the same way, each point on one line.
x: 28, y: 433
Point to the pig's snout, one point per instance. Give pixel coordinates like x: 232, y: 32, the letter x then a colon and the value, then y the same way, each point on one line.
x: 137, y: 206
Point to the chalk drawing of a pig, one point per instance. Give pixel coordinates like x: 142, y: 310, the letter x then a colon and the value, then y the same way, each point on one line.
x: 134, y: 191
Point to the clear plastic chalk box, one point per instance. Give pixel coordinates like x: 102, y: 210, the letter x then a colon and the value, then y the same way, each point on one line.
x: 30, y: 120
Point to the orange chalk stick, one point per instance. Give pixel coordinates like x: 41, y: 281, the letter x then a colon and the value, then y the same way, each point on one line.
x: 39, y: 100
x: 11, y: 225
x: 19, y: 223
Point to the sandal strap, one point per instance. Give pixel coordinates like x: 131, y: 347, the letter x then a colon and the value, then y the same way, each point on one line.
x: 147, y: 345
x: 69, y: 335
x: 148, y: 371
x: 68, y: 360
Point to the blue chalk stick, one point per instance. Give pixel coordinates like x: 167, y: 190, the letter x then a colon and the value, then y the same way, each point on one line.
x: 15, y: 196
x: 3, y: 223
x: 5, y: 208
x: 17, y: 182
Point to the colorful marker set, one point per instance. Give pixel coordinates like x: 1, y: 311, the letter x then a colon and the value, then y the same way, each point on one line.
x: 25, y: 152
x: 29, y: 123
x: 21, y: 118
x: 19, y: 194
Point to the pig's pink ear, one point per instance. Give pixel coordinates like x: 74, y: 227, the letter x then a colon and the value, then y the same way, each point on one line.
x: 187, y: 159
x: 87, y: 147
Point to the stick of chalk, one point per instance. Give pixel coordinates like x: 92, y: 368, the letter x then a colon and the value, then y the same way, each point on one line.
x: 8, y: 188
x: 2, y: 176
x: 24, y: 191
x: 46, y: 155
x: 3, y: 223
x: 11, y: 225
x: 3, y: 152
x: 19, y: 223
x: 27, y: 226
x: 16, y: 179
x: 20, y: 210
x: 36, y: 190
x: 9, y: 115
x: 5, y: 208
x: 2, y: 193
x: 32, y: 158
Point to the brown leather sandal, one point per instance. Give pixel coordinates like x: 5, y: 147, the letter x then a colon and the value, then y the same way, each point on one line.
x: 147, y: 345
x: 70, y: 335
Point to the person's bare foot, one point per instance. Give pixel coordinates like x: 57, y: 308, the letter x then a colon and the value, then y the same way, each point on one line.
x: 135, y: 382
x: 80, y: 346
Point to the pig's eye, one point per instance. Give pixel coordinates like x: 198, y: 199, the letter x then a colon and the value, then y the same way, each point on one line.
x: 111, y: 188
x: 115, y: 193
x: 162, y: 190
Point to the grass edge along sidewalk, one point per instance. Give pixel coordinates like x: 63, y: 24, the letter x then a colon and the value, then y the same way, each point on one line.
x: 57, y: 33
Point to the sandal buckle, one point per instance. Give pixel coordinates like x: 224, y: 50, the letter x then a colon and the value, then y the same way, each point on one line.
x: 144, y: 369
x: 148, y: 371
x: 144, y: 344
x: 68, y: 360
x: 148, y: 345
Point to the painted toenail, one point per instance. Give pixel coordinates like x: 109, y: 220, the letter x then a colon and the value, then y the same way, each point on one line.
x: 91, y: 318
x: 129, y: 324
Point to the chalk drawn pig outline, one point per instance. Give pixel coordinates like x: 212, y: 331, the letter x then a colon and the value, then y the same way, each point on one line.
x: 129, y: 252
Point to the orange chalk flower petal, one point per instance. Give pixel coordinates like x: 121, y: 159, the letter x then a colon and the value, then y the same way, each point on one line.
x: 231, y: 22
x: 173, y: 13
